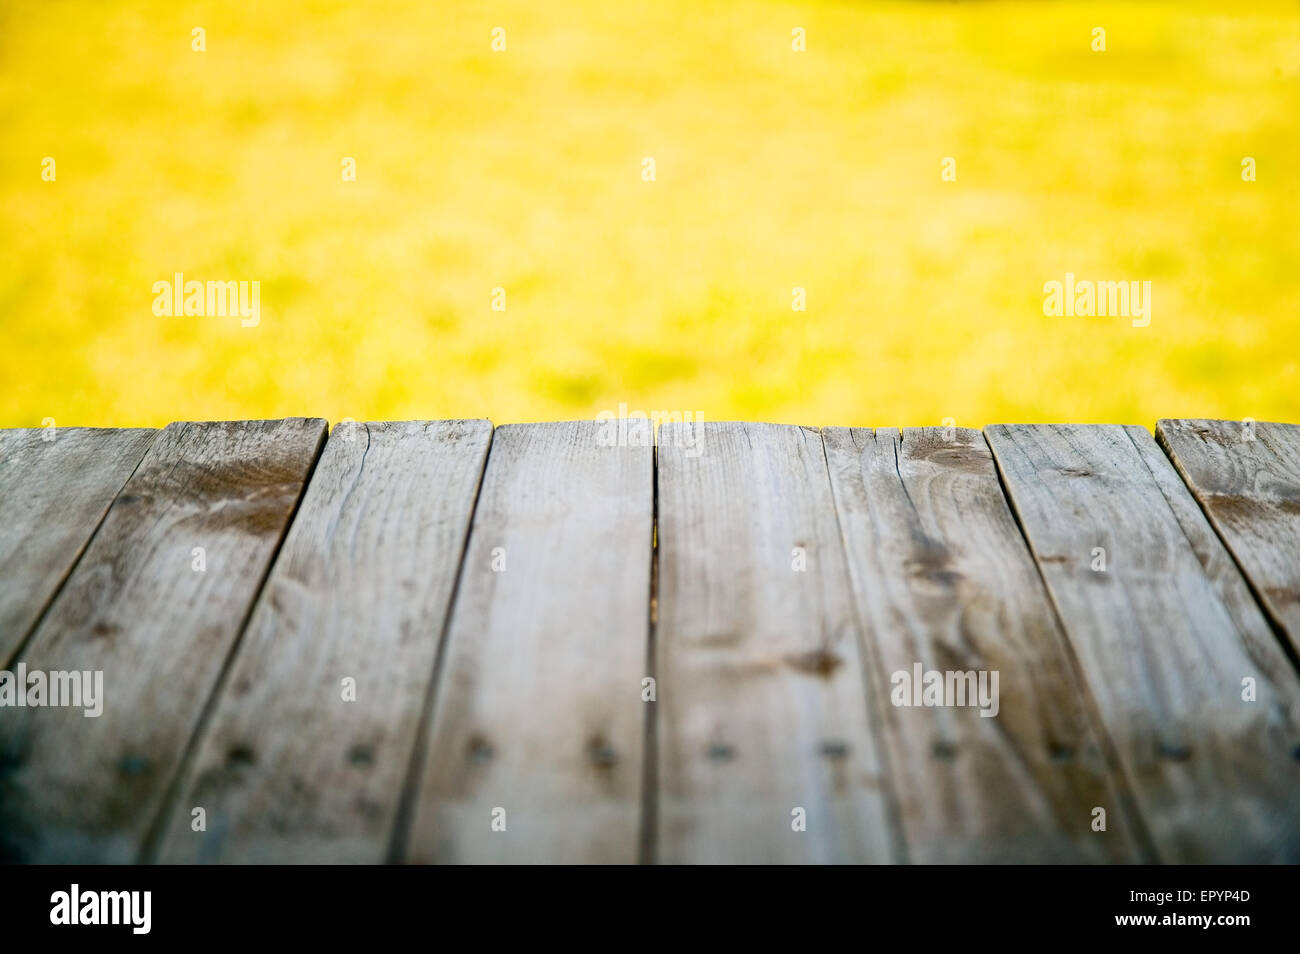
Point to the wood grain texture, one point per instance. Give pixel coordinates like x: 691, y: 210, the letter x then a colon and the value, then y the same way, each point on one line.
x: 88, y: 789
x: 942, y: 577
x: 55, y: 487
x: 1247, y: 479
x: 1216, y: 777
x: 1220, y: 569
x: 762, y: 708
x: 293, y: 767
x: 538, y: 707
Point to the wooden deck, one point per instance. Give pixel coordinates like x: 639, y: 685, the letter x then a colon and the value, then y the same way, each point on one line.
x: 440, y: 642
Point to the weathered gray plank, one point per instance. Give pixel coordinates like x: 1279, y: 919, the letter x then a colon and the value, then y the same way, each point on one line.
x: 1162, y: 649
x: 762, y: 705
x: 297, y: 765
x: 942, y: 577
x: 1246, y: 475
x: 1223, y: 573
x: 55, y: 487
x: 160, y: 630
x: 538, y: 707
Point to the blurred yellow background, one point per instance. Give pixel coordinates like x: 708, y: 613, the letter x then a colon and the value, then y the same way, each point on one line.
x: 522, y: 169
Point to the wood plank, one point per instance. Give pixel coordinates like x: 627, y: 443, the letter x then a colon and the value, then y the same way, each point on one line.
x: 538, y: 705
x: 135, y: 608
x: 942, y: 577
x: 1247, y: 479
x: 1224, y: 574
x: 1215, y: 776
x: 55, y: 487
x: 762, y: 703
x: 298, y: 766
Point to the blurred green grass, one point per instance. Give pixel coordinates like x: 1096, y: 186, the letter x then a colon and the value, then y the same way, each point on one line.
x: 775, y: 169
